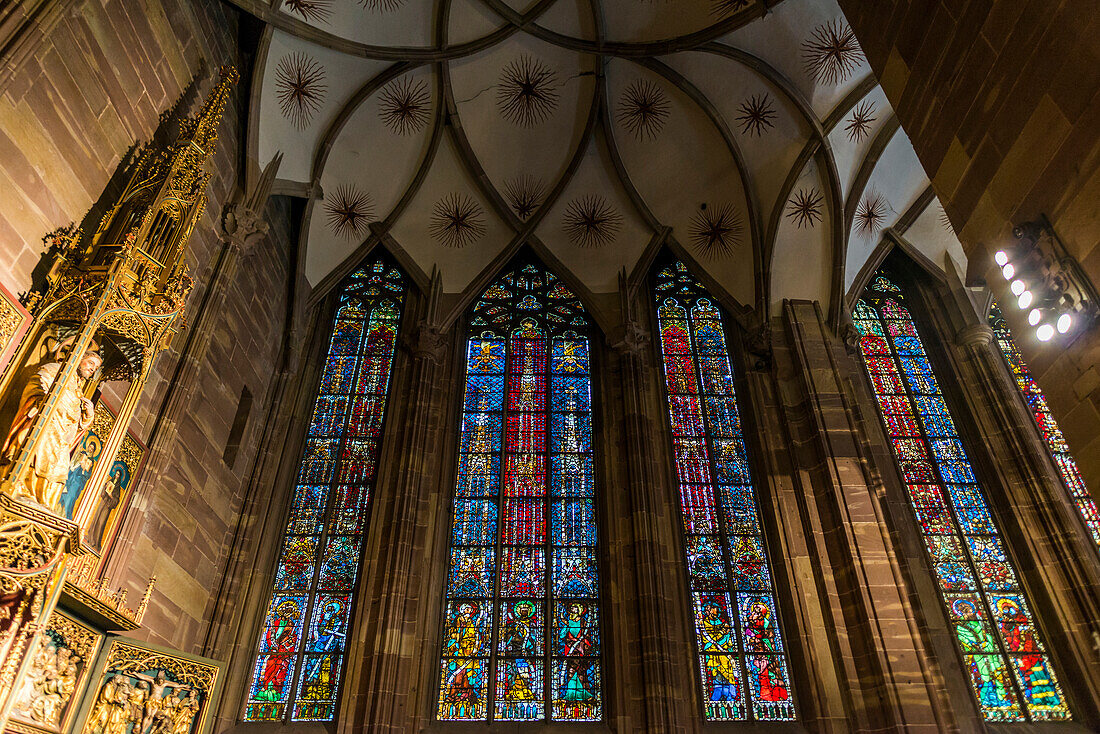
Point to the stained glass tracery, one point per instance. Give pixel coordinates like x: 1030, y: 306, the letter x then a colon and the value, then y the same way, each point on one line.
x: 741, y: 655
x: 521, y: 637
x: 1010, y: 672
x: 1048, y: 427
x: 300, y: 662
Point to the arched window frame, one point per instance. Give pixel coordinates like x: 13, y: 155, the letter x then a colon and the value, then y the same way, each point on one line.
x: 735, y: 354
x: 435, y: 656
x: 370, y: 484
x: 915, y: 299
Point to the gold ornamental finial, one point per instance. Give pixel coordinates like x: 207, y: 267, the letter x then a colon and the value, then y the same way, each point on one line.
x: 202, y: 129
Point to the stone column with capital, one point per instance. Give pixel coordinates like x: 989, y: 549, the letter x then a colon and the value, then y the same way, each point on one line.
x: 395, y: 639
x: 646, y: 554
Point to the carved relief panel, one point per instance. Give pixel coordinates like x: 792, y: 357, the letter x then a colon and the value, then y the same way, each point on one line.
x: 51, y: 690
x: 140, y: 688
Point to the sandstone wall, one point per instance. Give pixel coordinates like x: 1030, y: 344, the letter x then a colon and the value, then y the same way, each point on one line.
x: 1001, y: 99
x: 92, y: 79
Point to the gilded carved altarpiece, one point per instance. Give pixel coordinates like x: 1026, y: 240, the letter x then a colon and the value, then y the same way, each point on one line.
x: 51, y: 690
x: 141, y: 688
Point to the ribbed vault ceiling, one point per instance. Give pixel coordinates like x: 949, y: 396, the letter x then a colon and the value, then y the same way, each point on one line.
x: 595, y: 131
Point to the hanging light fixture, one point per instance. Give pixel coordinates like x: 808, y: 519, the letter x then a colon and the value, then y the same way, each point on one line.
x: 1047, y: 281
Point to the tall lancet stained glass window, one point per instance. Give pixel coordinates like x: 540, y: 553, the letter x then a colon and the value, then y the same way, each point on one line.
x: 521, y: 633
x: 741, y: 655
x: 1010, y: 672
x: 1048, y: 428
x: 302, y: 642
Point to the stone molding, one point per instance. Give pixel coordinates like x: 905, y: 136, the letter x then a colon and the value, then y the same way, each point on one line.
x: 974, y: 335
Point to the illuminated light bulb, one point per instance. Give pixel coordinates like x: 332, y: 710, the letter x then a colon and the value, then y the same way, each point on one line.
x: 1065, y: 321
x: 1025, y: 300
x: 1008, y: 271
x: 1018, y: 286
x: 1001, y: 258
x: 1034, y: 316
x: 1044, y: 333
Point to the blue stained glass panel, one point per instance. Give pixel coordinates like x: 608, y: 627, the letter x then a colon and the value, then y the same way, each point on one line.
x: 574, y: 573
x: 570, y: 393
x: 484, y: 393
x: 480, y: 433
x: 706, y: 567
x: 475, y: 522
x: 478, y: 475
x: 471, y: 572
x: 570, y: 356
x: 571, y: 432
x: 571, y: 475
x: 574, y: 522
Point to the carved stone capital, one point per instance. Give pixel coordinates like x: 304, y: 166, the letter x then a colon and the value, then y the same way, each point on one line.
x: 975, y: 335
x: 630, y: 339
x: 429, y: 342
x: 850, y: 335
x: 241, y: 228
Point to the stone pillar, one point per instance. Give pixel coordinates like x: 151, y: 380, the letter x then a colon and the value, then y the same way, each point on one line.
x: 393, y: 650
x: 869, y: 661
x: 649, y: 622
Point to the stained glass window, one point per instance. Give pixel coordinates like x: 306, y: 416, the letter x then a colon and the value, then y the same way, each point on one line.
x: 741, y: 656
x: 1010, y: 672
x: 521, y: 638
x: 302, y: 642
x: 1048, y: 428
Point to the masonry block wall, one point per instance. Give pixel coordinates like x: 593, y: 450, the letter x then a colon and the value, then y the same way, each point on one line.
x: 91, y: 80
x: 1001, y: 99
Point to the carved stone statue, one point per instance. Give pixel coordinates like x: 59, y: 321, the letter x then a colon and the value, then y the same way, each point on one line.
x: 110, y: 715
x: 185, y: 711
x: 157, y: 714
x: 72, y: 417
